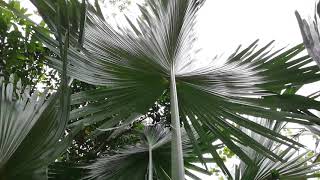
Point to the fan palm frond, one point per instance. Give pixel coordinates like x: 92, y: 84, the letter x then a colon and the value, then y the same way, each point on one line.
x: 31, y: 133
x: 146, y: 160
x: 295, y: 165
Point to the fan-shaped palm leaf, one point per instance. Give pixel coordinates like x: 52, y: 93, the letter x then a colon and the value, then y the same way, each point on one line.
x: 296, y: 167
x: 30, y: 133
x: 149, y: 159
x: 293, y: 166
x: 137, y: 64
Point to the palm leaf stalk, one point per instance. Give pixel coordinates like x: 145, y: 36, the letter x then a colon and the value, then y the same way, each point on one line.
x: 177, y: 160
x: 135, y: 64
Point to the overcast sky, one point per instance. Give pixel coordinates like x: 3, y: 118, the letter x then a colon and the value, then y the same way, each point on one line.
x: 223, y: 25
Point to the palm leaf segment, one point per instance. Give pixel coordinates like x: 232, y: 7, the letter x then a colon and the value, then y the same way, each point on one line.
x: 30, y: 133
x: 294, y: 166
x: 135, y: 162
x: 137, y: 64
x: 310, y: 34
x: 63, y: 16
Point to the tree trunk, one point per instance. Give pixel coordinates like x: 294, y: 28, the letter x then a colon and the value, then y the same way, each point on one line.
x: 176, y: 143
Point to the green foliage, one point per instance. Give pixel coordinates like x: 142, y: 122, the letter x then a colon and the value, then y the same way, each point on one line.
x: 31, y: 132
x: 275, y: 175
x: 20, y: 51
x: 226, y: 153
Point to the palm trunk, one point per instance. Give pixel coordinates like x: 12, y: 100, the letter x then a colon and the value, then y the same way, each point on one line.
x: 150, y: 174
x: 176, y: 143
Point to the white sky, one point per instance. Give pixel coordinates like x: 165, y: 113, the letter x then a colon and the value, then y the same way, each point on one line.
x: 225, y: 24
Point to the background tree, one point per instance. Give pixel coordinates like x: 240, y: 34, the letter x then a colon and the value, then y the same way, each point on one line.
x: 21, y: 52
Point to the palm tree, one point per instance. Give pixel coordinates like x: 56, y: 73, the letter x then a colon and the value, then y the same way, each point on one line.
x: 294, y: 166
x: 134, y: 66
